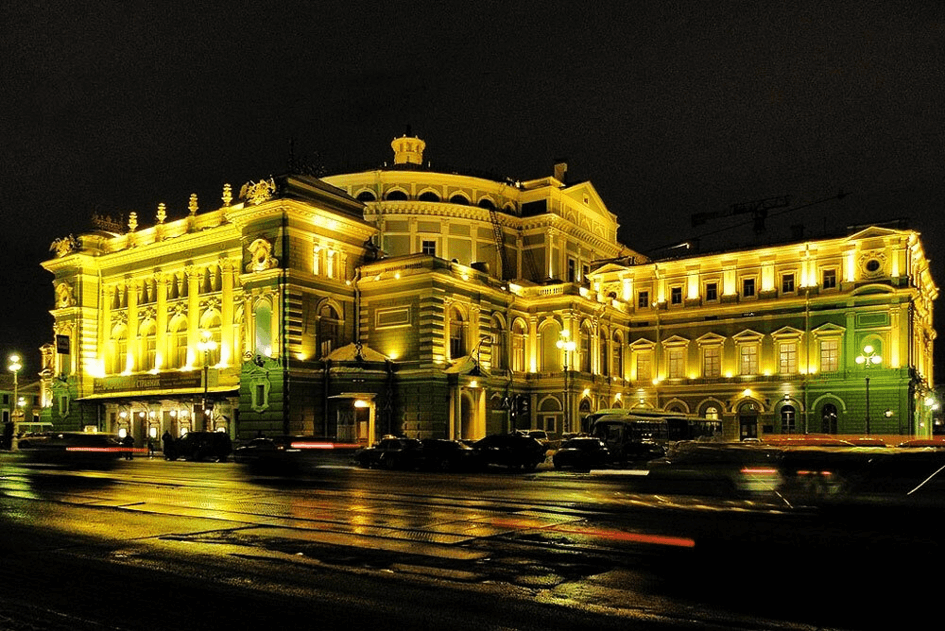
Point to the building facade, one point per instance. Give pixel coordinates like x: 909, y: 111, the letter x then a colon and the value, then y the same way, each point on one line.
x: 407, y: 301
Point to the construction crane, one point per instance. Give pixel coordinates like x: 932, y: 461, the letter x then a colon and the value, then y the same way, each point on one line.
x: 758, y: 210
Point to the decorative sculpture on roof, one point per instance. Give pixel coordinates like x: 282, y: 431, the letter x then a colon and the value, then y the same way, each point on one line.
x: 258, y: 192
x: 260, y: 256
x: 65, y: 245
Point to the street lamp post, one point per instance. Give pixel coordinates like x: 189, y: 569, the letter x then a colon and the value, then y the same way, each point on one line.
x: 567, y: 345
x: 868, y: 359
x: 15, y: 366
x: 206, y: 344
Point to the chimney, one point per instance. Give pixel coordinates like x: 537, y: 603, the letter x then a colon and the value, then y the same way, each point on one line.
x: 561, y: 171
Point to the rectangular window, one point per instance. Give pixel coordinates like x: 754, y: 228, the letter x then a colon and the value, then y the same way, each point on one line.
x: 712, y: 361
x: 675, y: 295
x: 428, y: 247
x: 829, y: 355
x: 677, y: 363
x: 644, y: 367
x: 643, y: 299
x: 748, y: 359
x: 748, y: 287
x: 787, y: 284
x: 572, y: 271
x: 711, y: 292
x: 787, y: 358
x: 548, y: 423
x: 830, y: 279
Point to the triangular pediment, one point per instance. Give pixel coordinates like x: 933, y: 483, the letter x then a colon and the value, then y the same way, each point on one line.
x: 748, y: 336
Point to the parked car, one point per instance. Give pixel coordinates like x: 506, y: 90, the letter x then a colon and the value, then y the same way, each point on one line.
x: 515, y: 450
x: 437, y: 454
x: 391, y: 452
x: 583, y: 452
x: 200, y: 446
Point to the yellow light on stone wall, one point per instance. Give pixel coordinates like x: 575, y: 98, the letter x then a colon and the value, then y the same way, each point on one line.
x: 693, y: 292
x: 851, y: 267
x: 767, y: 278
x: 627, y: 289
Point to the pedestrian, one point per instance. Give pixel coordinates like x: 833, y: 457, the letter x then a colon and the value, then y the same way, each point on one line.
x: 167, y: 443
x: 150, y: 447
x: 128, y: 442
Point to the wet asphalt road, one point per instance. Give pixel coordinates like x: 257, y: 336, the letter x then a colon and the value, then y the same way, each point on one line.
x: 158, y: 545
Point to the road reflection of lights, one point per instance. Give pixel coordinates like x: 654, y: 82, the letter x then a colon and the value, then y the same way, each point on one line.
x: 635, y: 537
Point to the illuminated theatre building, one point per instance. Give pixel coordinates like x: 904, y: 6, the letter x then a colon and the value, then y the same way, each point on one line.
x: 407, y: 301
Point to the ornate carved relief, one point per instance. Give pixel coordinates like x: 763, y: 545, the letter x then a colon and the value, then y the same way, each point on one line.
x: 260, y: 253
x: 64, y: 295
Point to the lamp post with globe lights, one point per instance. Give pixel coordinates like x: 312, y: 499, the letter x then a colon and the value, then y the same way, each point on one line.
x: 15, y: 366
x: 206, y: 344
x: 567, y: 345
x: 869, y: 358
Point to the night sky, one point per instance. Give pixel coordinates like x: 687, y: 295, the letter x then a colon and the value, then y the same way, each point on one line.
x: 668, y: 108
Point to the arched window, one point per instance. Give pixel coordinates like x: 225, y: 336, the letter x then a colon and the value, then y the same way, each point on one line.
x: 604, y: 364
x: 148, y: 346
x: 459, y: 199
x: 499, y: 350
x: 616, y: 349
x: 366, y: 196
x: 788, y: 419
x: 210, y: 322
x: 486, y: 203
x: 829, y: 419
x: 262, y: 316
x: 457, y: 334
x: 177, y: 343
x: 519, y: 336
x: 396, y: 196
x: 119, y: 355
x: 329, y: 330
x: 585, y: 359
x: 551, y: 358
x: 429, y: 196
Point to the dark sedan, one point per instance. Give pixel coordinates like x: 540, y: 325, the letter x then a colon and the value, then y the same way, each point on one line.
x: 582, y: 453
x: 438, y: 454
x: 391, y: 452
x: 515, y: 450
x: 200, y: 446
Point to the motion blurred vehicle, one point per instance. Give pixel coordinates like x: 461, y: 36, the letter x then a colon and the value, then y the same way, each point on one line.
x: 437, y: 454
x: 718, y: 468
x: 80, y: 449
x: 923, y: 443
x: 637, y: 436
x: 391, y: 452
x: 293, y: 454
x: 200, y: 446
x: 514, y: 450
x: 582, y: 453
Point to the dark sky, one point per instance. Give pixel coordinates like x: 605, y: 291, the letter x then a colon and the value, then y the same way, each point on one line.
x: 669, y: 108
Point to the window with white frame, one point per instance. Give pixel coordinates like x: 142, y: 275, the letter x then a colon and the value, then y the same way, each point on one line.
x: 829, y: 279
x: 748, y: 359
x: 712, y: 361
x: 829, y: 355
x: 787, y: 358
x: 428, y: 247
x: 644, y: 366
x: 677, y: 363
